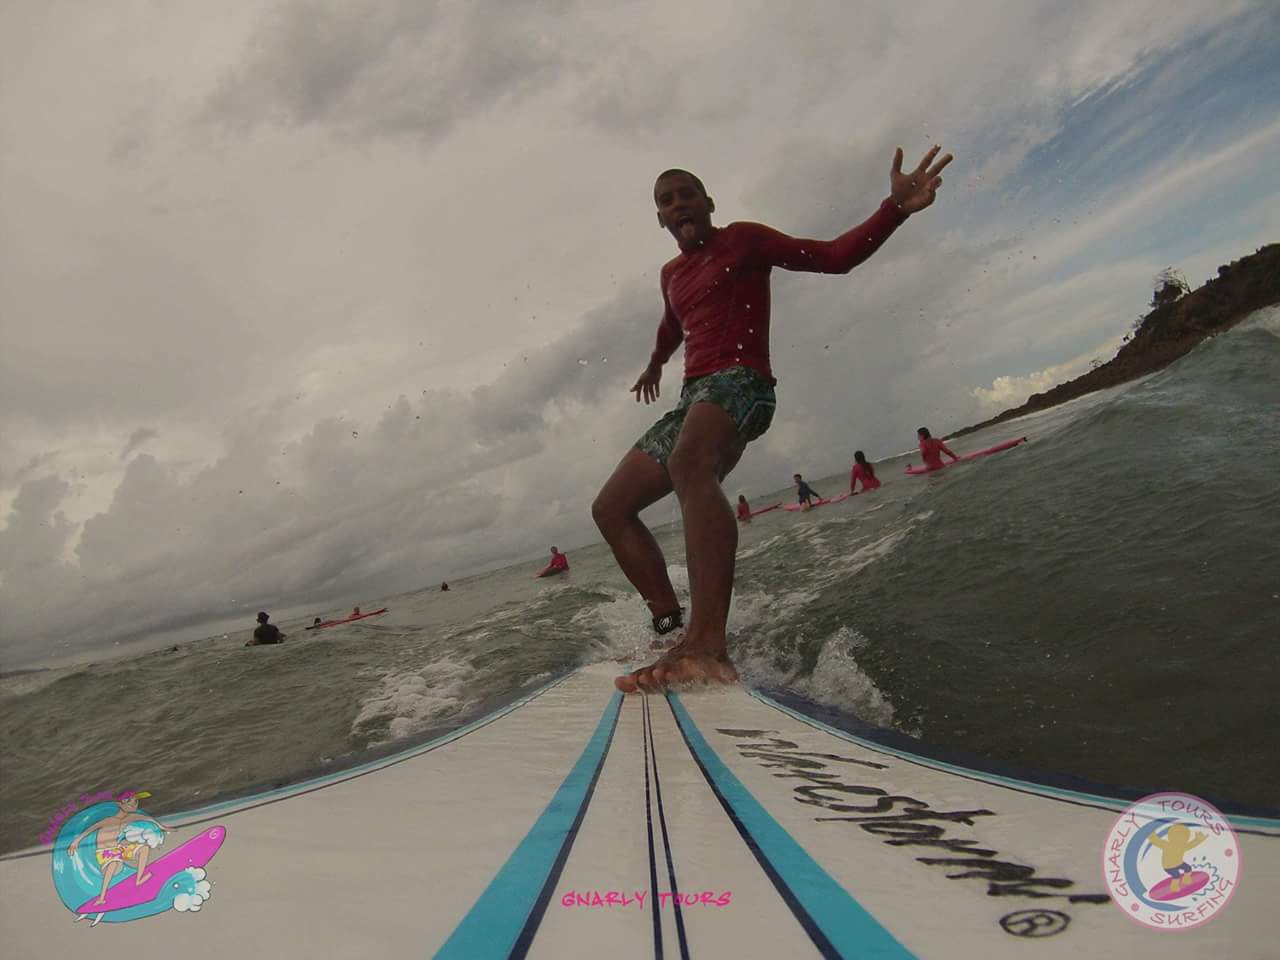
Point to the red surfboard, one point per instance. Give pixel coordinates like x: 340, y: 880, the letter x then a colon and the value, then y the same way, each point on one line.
x: 358, y: 616
x: 917, y: 471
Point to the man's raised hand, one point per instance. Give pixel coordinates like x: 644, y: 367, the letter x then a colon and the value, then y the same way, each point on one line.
x: 914, y: 191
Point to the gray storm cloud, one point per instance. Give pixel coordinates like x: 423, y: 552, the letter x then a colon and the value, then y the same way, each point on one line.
x: 195, y: 293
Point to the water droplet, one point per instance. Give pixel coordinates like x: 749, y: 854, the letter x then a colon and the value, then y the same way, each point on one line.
x: 739, y: 346
x: 355, y: 433
x: 751, y: 329
x: 581, y: 362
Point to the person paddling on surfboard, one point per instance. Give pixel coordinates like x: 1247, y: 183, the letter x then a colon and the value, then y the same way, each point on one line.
x: 931, y: 449
x: 862, y: 471
x: 805, y: 493
x: 716, y: 300
x: 559, y: 564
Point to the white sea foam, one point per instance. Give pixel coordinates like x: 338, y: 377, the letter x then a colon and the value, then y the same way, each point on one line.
x: 413, y: 700
x: 838, y: 681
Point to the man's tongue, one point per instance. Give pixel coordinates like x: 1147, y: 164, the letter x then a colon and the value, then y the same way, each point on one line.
x: 688, y: 231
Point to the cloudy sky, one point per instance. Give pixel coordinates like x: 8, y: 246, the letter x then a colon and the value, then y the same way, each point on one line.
x: 319, y: 300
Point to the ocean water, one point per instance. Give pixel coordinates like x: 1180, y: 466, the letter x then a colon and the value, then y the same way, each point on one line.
x: 1103, y: 601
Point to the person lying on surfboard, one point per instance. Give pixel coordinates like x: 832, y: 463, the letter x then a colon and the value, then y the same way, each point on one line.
x: 805, y: 493
x: 559, y: 564
x: 862, y: 471
x: 931, y: 449
x: 715, y: 296
x: 744, y: 509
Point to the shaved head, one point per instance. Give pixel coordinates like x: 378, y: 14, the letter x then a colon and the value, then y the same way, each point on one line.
x: 677, y: 172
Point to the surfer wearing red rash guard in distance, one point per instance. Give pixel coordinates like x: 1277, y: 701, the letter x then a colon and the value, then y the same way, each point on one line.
x: 559, y: 564
x: 862, y: 471
x: 932, y: 449
x: 715, y: 295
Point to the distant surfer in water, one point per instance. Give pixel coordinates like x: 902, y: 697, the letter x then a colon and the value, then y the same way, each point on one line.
x: 805, y: 494
x: 559, y: 564
x: 444, y: 587
x: 862, y: 471
x: 744, y: 509
x: 265, y: 632
x: 715, y: 295
x: 932, y: 449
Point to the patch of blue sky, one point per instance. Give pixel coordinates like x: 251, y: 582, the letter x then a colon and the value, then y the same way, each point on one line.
x: 1210, y: 91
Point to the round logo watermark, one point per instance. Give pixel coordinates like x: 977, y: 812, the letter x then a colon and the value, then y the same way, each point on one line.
x: 1171, y: 861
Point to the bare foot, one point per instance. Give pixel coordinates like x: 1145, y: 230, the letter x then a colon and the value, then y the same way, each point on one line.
x: 143, y: 879
x: 679, y: 666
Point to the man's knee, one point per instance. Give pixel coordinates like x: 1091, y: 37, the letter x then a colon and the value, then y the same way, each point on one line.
x: 604, y: 513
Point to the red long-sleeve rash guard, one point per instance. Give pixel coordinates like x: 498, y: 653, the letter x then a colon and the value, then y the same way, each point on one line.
x: 717, y: 298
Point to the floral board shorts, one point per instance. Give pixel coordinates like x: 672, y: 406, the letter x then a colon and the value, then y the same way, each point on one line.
x: 742, y: 392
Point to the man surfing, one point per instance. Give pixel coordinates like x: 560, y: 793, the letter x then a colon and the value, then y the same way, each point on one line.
x: 115, y: 847
x: 716, y: 301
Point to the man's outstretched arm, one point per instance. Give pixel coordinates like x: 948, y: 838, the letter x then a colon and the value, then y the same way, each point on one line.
x: 909, y: 193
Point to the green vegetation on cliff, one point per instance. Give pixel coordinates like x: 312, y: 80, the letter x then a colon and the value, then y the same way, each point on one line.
x: 1179, y: 321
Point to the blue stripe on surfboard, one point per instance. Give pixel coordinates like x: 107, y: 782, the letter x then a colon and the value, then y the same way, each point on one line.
x: 504, y: 919
x: 837, y: 923
x: 987, y: 776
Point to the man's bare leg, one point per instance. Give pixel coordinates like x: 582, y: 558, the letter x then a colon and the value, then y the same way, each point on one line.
x: 707, y: 450
x: 637, y: 482
x: 109, y: 870
x: 144, y: 852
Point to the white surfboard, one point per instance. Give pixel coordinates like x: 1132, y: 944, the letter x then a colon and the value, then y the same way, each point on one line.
x: 578, y: 822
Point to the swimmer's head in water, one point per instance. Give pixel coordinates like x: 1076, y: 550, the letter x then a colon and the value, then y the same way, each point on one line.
x: 262, y: 617
x: 796, y: 477
x: 684, y: 208
x: 742, y: 498
x: 923, y: 433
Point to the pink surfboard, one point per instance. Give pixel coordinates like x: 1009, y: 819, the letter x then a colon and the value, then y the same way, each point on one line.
x: 773, y: 506
x: 1191, y: 882
x: 1008, y: 444
x: 196, y: 852
x: 817, y: 503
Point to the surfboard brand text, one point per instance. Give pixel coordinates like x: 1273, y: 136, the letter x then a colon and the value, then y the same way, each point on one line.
x: 902, y: 821
x: 665, y: 898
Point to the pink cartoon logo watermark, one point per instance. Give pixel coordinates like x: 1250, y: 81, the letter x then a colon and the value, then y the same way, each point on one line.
x: 108, y: 864
x: 1171, y: 861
